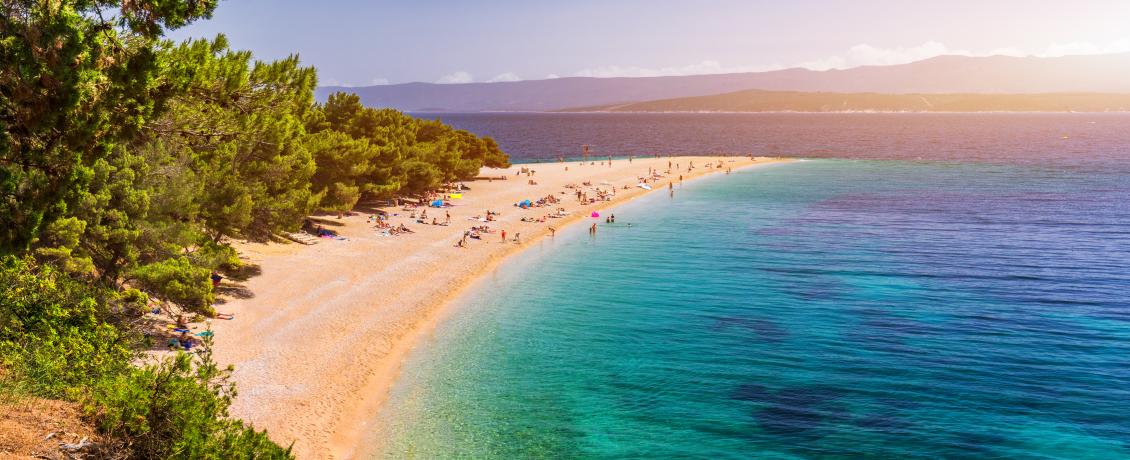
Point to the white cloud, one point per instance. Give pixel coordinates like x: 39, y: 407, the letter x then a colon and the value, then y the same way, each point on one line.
x: 701, y: 68
x: 457, y: 77
x: 860, y: 55
x: 336, y: 82
x: 552, y: 76
x: 508, y: 76
x: 1121, y: 45
x: 864, y: 54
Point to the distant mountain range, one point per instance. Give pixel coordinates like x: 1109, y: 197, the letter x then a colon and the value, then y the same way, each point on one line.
x: 942, y: 74
x: 794, y: 101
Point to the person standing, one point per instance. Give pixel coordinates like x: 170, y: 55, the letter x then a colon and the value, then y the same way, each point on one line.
x: 504, y: 236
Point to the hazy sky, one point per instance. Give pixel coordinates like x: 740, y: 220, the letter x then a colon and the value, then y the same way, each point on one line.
x: 354, y: 42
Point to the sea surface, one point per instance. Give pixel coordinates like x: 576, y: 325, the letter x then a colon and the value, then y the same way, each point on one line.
x: 921, y: 286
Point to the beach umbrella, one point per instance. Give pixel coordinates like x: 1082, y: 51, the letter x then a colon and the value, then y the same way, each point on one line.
x: 595, y: 214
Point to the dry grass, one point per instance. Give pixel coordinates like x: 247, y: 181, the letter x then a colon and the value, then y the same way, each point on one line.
x: 35, y: 428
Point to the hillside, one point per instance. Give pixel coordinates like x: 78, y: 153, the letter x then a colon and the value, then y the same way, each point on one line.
x: 793, y: 101
x: 943, y: 74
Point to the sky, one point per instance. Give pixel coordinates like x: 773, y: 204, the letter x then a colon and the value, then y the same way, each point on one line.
x: 360, y: 43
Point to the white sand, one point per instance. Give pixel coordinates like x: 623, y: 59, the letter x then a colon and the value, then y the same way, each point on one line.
x: 320, y: 343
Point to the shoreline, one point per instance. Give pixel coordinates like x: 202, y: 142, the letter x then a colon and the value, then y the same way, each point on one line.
x: 443, y: 310
x: 338, y: 412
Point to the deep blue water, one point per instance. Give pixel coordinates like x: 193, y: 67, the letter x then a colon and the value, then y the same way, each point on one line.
x: 1093, y: 139
x: 958, y: 306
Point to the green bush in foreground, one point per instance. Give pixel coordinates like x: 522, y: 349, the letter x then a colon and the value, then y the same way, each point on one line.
x: 63, y: 338
x: 54, y: 330
x: 177, y: 409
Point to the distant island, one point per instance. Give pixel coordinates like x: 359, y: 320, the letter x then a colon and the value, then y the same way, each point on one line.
x: 796, y: 101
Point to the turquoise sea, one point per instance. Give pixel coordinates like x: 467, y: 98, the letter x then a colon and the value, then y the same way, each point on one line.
x: 828, y: 308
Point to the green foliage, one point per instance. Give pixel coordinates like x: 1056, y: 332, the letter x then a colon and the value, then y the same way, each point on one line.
x: 63, y: 338
x: 383, y: 151
x: 73, y: 86
x: 238, y: 131
x: 179, y: 281
x: 54, y: 330
x: 62, y: 243
x: 126, y: 165
x: 177, y: 409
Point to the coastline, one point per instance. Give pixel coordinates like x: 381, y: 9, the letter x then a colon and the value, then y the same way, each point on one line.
x: 359, y: 321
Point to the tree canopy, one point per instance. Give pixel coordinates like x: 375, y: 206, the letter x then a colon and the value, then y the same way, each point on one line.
x: 128, y: 164
x: 77, y: 79
x: 383, y: 152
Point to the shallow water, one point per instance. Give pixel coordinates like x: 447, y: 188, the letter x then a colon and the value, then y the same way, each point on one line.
x: 818, y: 309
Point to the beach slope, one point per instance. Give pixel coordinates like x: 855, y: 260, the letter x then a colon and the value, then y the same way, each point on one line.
x: 319, y: 335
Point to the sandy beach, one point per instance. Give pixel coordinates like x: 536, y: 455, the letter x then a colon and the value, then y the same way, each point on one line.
x: 319, y: 336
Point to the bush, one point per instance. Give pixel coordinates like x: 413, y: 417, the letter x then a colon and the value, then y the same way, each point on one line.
x: 58, y: 339
x: 177, y: 408
x: 178, y: 281
x: 54, y: 330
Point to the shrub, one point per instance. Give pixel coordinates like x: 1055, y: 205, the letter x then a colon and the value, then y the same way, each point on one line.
x: 59, y: 339
x: 53, y: 329
x: 177, y: 408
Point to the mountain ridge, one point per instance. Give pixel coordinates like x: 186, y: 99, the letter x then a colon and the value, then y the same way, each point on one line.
x: 941, y: 74
x: 816, y: 102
